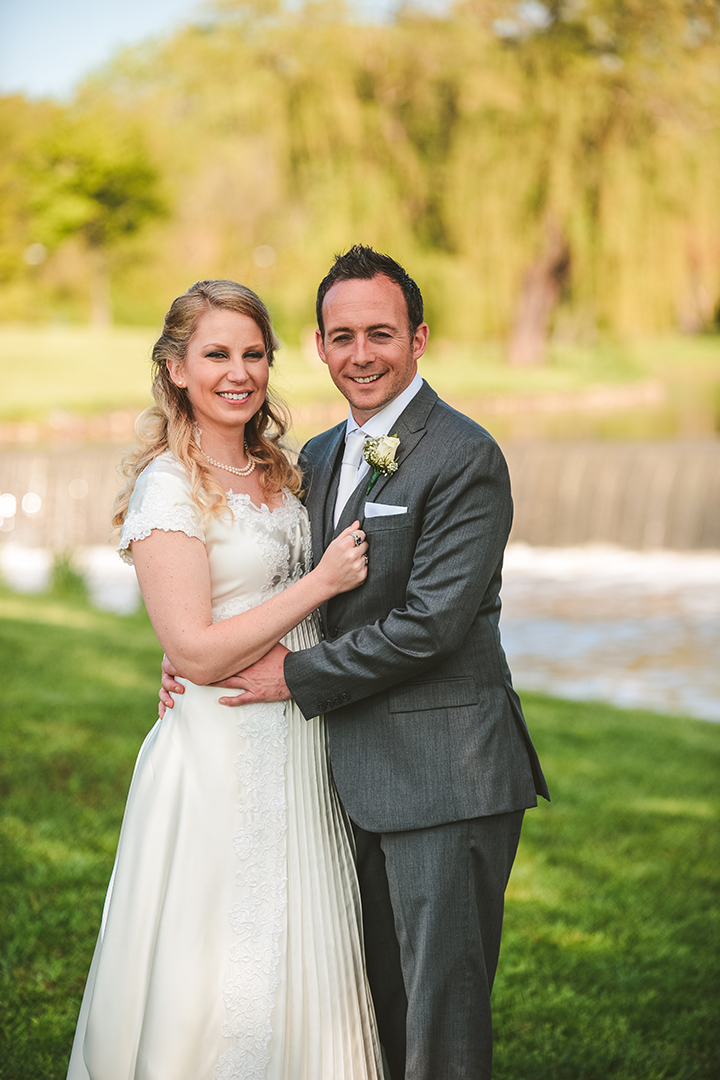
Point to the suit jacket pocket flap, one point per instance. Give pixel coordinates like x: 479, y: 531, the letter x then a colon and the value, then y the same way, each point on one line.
x: 443, y: 694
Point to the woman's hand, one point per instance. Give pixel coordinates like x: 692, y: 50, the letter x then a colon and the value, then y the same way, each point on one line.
x: 344, y: 565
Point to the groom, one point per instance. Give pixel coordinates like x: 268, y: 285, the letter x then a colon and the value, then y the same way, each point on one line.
x: 429, y: 748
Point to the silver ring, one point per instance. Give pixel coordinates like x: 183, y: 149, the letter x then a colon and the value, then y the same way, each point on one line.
x: 366, y: 559
x: 357, y: 538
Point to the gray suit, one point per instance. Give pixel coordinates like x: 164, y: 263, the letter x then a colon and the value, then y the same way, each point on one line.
x: 429, y: 748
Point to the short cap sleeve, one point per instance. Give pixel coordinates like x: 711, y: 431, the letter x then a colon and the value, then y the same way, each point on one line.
x: 161, y: 499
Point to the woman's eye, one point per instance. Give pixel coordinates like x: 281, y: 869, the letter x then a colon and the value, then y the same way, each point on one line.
x: 216, y: 355
x: 255, y: 355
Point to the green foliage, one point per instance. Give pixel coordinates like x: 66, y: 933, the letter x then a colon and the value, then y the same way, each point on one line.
x: 91, y: 176
x: 609, y: 968
x: 21, y: 123
x: 455, y: 141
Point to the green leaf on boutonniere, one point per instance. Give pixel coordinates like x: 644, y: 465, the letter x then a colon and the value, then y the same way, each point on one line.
x: 373, y: 478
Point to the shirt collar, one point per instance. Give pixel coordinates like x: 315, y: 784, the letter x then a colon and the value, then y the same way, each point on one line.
x: 382, y: 422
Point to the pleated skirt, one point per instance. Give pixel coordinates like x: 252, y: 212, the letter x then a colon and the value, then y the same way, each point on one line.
x: 231, y: 939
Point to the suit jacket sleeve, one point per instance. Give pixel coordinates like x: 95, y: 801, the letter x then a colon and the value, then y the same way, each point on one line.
x: 464, y: 528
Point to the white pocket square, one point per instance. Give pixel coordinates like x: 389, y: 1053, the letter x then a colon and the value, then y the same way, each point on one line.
x: 373, y: 509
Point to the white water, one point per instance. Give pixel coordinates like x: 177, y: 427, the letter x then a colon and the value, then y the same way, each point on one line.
x: 636, y: 629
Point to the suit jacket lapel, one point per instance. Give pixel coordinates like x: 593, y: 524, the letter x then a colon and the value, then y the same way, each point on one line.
x: 323, y: 481
x: 329, y: 485
x: 410, y: 428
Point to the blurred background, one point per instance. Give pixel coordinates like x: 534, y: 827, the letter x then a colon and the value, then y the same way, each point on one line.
x: 548, y: 172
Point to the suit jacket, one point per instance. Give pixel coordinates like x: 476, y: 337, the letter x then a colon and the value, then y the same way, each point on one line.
x: 424, y: 724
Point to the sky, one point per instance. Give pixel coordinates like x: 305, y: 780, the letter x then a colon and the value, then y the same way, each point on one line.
x: 48, y: 46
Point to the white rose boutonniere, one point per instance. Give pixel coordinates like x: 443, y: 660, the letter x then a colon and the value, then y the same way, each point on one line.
x: 380, y: 456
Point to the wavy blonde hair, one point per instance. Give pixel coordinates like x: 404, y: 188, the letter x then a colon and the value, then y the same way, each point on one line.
x: 169, y: 423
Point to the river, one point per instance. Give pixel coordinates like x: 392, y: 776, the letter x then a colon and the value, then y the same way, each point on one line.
x: 596, y: 622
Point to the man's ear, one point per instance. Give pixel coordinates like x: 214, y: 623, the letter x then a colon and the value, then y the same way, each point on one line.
x: 420, y: 340
x: 320, y: 346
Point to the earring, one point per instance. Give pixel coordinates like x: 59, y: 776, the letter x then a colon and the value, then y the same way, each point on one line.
x: 181, y: 384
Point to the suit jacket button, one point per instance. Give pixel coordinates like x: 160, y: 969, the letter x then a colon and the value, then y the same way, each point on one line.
x: 334, y: 632
x: 344, y: 697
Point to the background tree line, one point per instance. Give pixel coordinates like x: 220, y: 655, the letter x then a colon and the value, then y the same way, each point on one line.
x: 539, y: 167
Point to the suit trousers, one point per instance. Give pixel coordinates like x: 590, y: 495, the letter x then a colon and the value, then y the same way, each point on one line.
x: 433, y: 903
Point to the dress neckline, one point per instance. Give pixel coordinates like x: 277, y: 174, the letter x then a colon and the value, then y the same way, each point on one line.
x: 263, y: 508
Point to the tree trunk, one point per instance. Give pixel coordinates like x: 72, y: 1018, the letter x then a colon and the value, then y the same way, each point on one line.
x: 100, y: 299
x: 541, y: 288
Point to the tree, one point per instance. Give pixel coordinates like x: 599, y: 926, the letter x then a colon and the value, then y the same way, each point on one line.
x: 92, y: 178
x: 525, y: 160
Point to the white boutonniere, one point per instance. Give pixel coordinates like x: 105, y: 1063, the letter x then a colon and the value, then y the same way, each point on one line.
x: 380, y: 456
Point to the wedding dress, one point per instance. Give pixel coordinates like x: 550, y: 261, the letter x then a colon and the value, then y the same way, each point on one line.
x: 231, y: 941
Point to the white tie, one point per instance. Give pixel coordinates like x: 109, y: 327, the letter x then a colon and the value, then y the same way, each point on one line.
x: 354, y: 446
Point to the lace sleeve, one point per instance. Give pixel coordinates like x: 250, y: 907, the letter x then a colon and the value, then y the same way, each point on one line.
x: 161, y: 500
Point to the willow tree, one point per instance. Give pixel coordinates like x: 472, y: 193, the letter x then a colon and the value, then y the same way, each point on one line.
x: 538, y: 167
x: 588, y: 157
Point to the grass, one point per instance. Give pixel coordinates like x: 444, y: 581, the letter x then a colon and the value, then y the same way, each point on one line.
x: 77, y: 699
x: 75, y: 369
x: 83, y: 371
x: 611, y: 958
x: 610, y: 961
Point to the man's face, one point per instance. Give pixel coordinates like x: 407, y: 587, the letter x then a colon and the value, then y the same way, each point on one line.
x: 368, y: 348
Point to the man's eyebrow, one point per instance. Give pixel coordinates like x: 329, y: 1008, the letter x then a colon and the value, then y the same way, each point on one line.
x: 351, y: 330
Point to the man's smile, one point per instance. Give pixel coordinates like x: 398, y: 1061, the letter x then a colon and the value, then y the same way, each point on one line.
x: 365, y: 378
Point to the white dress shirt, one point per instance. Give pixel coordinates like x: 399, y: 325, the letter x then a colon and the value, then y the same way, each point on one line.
x: 381, y: 423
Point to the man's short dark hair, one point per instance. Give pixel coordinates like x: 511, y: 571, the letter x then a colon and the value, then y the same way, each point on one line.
x: 363, y: 263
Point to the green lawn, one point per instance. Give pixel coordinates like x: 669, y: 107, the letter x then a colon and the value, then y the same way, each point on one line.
x: 610, y: 960
x: 85, y: 371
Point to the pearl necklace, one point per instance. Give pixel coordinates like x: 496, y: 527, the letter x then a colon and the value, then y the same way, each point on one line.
x: 246, y: 469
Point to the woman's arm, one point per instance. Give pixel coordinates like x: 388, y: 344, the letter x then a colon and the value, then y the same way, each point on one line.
x: 174, y: 577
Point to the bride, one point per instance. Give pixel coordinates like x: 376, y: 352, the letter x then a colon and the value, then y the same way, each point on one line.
x: 231, y: 942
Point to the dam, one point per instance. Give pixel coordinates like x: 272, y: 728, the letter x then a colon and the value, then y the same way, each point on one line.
x: 637, y: 495
x: 611, y: 579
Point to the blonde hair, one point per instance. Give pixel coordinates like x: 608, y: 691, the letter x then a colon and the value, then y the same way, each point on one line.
x: 169, y: 424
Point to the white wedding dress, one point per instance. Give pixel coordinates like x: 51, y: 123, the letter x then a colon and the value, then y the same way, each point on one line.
x: 231, y: 940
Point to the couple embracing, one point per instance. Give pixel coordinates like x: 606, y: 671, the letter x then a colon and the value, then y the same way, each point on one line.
x: 315, y: 866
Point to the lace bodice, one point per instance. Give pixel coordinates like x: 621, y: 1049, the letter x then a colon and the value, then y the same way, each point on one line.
x: 253, y: 553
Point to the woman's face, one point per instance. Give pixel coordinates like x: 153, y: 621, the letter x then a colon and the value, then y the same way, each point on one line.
x: 225, y: 370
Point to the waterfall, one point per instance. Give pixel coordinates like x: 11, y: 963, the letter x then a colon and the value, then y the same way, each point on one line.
x: 641, y: 495
x: 638, y: 495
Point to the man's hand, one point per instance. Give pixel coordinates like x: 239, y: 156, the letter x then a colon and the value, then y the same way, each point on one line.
x: 262, y: 681
x: 169, y: 686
